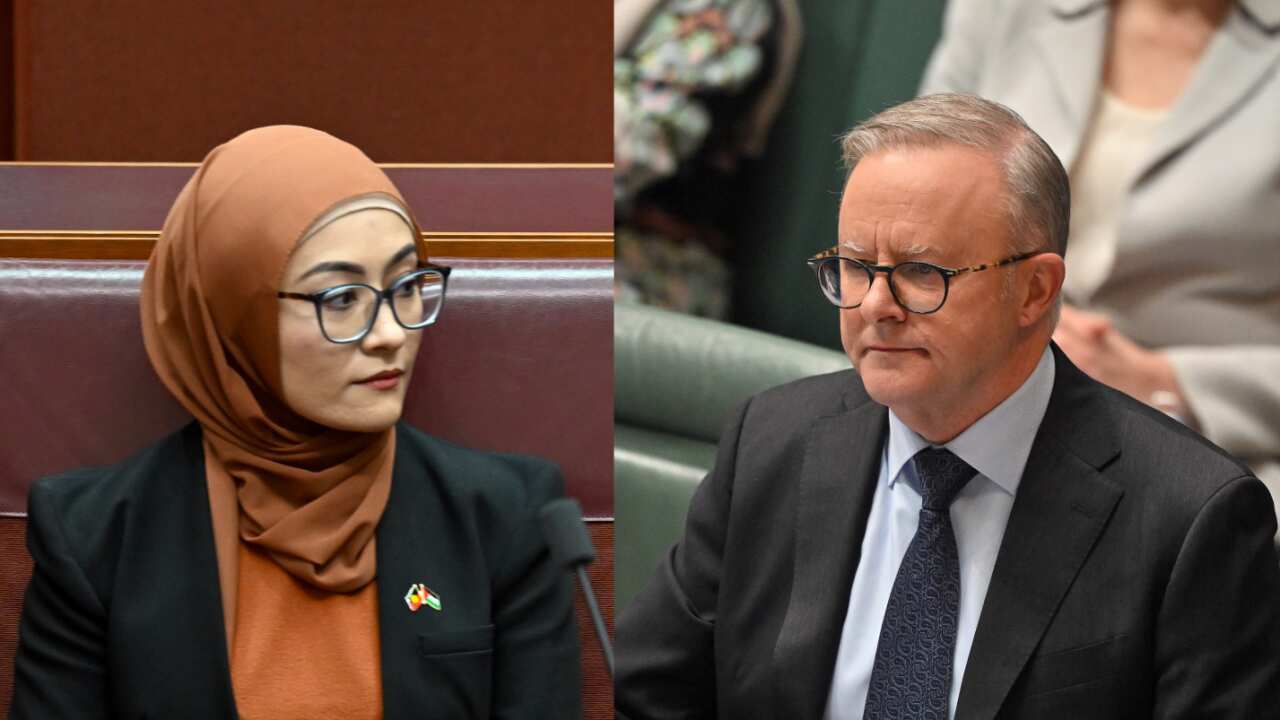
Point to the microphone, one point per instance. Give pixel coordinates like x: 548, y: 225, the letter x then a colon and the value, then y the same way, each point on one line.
x: 570, y: 546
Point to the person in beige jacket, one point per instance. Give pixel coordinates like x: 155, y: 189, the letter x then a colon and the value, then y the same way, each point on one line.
x: 1167, y: 114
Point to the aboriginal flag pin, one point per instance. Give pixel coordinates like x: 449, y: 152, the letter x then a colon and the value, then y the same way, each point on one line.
x: 420, y: 595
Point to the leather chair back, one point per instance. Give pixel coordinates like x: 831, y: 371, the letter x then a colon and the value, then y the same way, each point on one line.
x: 520, y: 361
x: 677, y: 380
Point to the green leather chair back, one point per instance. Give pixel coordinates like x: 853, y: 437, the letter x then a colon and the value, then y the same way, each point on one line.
x: 677, y: 379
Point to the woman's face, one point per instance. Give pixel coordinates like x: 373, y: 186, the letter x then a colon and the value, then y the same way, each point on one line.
x: 329, y: 383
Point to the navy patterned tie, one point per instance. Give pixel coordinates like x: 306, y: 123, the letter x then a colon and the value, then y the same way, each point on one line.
x: 911, y: 677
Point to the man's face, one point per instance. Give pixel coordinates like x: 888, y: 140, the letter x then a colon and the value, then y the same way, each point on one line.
x: 943, y: 206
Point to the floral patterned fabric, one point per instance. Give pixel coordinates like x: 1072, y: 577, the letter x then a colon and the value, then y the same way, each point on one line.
x: 688, y: 47
x: 687, y: 51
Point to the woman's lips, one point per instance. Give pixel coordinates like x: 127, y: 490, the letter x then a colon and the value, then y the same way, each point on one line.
x: 386, y: 380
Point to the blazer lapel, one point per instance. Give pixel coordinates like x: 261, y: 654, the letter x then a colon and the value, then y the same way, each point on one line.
x: 833, y: 500
x: 404, y: 559
x: 1240, y: 57
x: 185, y: 606
x: 1062, y: 506
x: 1073, y: 46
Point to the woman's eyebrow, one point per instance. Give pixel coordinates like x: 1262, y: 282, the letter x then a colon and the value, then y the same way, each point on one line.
x: 352, y: 268
x: 401, y: 254
x: 336, y: 266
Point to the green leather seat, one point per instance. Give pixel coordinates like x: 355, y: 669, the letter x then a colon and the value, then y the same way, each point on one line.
x: 677, y: 378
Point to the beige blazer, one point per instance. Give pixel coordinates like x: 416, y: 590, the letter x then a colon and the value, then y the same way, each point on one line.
x: 1197, y: 268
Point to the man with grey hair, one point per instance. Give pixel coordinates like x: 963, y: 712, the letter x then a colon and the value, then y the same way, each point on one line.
x: 965, y: 525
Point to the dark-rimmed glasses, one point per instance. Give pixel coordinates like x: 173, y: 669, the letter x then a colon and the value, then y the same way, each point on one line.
x: 918, y: 287
x: 346, y: 313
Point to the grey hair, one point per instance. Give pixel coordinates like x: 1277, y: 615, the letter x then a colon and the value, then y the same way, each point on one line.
x: 1038, y: 197
x: 1038, y: 193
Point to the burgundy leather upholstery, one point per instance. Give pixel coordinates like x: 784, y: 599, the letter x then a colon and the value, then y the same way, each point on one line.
x: 445, y: 199
x: 521, y: 360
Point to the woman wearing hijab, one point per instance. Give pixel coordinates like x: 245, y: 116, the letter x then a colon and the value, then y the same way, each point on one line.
x: 295, y: 552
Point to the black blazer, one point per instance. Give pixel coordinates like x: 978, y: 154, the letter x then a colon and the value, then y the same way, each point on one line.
x: 1137, y: 575
x: 123, y: 616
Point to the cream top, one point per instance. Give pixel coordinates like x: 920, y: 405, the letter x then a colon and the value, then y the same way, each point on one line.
x: 1117, y: 141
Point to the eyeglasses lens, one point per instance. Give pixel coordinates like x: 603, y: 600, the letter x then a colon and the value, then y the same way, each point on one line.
x: 417, y: 299
x: 345, y: 312
x: 843, y: 282
x: 919, y: 287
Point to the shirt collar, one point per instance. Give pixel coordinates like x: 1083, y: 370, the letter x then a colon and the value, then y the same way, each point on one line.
x: 997, y: 445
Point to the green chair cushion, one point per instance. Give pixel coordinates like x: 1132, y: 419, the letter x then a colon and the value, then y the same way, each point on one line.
x: 654, y: 475
x: 684, y: 375
x: 677, y: 379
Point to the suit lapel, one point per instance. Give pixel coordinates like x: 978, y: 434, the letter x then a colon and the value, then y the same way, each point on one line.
x: 833, y: 500
x: 1239, y: 58
x: 1062, y: 506
x: 1073, y: 47
x: 185, y: 606
x: 403, y: 559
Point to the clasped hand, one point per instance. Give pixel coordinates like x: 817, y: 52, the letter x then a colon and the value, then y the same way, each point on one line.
x: 1093, y: 343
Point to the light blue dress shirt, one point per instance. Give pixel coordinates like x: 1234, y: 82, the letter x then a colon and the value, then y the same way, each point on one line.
x: 997, y: 446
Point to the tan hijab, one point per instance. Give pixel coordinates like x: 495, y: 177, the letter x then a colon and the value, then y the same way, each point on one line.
x: 309, y: 496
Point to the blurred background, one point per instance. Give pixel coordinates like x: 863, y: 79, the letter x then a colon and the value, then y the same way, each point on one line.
x: 727, y: 165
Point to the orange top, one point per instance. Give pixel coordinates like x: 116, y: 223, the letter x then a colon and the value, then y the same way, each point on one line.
x: 300, y: 652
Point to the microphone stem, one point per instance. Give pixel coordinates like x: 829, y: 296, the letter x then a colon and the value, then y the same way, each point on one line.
x: 601, y: 633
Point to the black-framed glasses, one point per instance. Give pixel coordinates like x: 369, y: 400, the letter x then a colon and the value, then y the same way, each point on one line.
x: 346, y: 313
x: 918, y: 287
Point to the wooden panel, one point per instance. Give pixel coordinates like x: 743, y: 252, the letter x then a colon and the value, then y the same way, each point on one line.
x: 448, y: 199
x: 433, y: 81
x: 597, y: 689
x: 6, y: 80
x: 15, y: 570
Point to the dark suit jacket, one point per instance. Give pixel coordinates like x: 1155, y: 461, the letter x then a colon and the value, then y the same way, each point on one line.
x: 1136, y: 578
x: 123, y: 616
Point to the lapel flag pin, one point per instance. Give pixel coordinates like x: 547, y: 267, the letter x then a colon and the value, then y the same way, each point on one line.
x: 420, y: 595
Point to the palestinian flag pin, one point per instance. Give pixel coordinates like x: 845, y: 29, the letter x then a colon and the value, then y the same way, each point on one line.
x: 420, y: 595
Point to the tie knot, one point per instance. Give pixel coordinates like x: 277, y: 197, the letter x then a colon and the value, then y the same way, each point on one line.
x: 941, y: 474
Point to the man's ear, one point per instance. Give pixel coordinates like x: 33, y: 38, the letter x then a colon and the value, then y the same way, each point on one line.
x: 1045, y: 273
